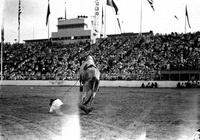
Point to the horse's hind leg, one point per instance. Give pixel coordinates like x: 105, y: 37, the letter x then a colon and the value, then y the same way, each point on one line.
x: 95, y: 88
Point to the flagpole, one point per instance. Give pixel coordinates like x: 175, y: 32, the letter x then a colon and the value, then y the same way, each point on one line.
x: 65, y: 11
x: 2, y: 60
x: 19, y: 34
x: 115, y: 26
x: 2, y: 44
x: 48, y: 18
x: 185, y: 21
x: 115, y: 21
x: 19, y: 12
x: 174, y: 24
x: 102, y: 27
x: 123, y: 26
x: 141, y: 18
x: 48, y: 28
x: 118, y: 21
x: 105, y: 21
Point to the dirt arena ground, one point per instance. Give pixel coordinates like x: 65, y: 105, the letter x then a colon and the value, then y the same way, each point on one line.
x: 120, y: 113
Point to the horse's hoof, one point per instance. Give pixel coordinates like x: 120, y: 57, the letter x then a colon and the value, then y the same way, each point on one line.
x: 88, y: 110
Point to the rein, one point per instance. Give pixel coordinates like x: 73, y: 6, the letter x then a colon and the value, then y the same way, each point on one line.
x: 70, y: 88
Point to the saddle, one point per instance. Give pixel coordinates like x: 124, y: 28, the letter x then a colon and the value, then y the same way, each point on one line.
x: 88, y: 66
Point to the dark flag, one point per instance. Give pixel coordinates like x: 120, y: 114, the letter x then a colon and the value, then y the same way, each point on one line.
x: 48, y: 13
x: 2, y: 34
x: 176, y: 17
x: 186, y: 14
x: 151, y: 4
x: 19, y: 13
x: 112, y: 4
x: 102, y: 16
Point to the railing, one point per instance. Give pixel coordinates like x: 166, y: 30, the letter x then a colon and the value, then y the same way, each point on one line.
x: 163, y: 76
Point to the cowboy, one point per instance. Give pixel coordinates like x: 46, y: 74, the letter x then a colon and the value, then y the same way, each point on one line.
x: 55, y: 106
x: 59, y: 108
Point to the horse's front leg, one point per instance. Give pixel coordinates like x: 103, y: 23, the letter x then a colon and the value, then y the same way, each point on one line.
x: 92, y: 98
x: 83, y: 97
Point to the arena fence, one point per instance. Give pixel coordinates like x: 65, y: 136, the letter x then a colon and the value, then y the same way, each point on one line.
x: 161, y: 84
x: 164, y: 75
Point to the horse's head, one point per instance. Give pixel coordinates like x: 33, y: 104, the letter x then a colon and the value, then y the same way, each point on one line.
x: 89, y: 58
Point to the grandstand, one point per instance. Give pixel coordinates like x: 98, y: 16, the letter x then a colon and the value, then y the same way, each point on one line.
x: 119, y: 57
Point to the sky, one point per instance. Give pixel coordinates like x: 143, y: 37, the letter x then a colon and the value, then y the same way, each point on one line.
x: 33, y: 16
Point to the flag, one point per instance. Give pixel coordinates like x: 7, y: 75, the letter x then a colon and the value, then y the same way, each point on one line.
x: 2, y: 34
x: 19, y: 13
x: 186, y: 14
x: 176, y: 17
x: 112, y: 4
x: 151, y: 4
x: 65, y: 11
x: 48, y: 13
x: 95, y: 32
x: 102, y: 21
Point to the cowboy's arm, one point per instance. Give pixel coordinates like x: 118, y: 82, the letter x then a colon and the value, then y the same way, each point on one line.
x: 52, y: 108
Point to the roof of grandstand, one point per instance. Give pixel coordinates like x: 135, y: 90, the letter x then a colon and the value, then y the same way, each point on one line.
x: 35, y: 40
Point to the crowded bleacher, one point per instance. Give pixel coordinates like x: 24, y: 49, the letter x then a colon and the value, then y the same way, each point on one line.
x: 119, y: 57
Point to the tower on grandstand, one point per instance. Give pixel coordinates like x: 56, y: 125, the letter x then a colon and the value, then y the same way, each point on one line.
x: 72, y: 30
x: 80, y: 28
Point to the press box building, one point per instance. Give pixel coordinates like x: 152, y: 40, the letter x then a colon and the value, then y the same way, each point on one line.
x: 73, y: 30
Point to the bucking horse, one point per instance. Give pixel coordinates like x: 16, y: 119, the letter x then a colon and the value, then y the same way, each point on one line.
x: 89, y: 80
